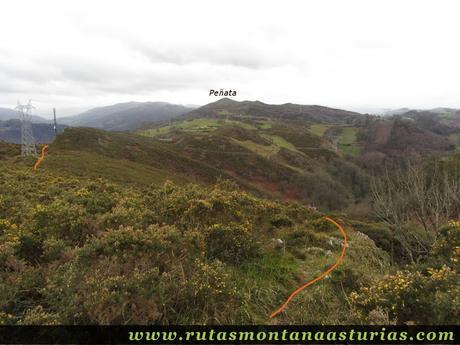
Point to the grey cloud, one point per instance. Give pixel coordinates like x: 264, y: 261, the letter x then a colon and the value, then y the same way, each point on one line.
x: 221, y: 53
x: 230, y: 56
x: 299, y: 53
x: 91, y: 76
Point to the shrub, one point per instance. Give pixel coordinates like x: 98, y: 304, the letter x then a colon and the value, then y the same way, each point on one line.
x: 421, y: 295
x: 446, y: 249
x: 431, y: 297
x: 113, y: 279
x: 97, y: 197
x: 204, y: 293
x: 61, y: 219
x: 230, y: 243
x: 379, y: 233
x: 9, y: 241
x: 321, y: 224
x: 30, y: 248
x: 52, y: 249
x: 38, y: 316
x: 280, y: 220
x: 346, y: 278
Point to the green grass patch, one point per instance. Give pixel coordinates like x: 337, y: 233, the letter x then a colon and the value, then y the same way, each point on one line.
x: 271, y: 267
x: 448, y: 115
x: 350, y: 150
x: 280, y: 141
x: 347, y: 142
x: 454, y: 138
x: 296, y: 169
x: 196, y: 125
x: 265, y: 125
x: 348, y: 135
x: 153, y: 132
x: 319, y: 129
x: 200, y: 124
x: 262, y: 150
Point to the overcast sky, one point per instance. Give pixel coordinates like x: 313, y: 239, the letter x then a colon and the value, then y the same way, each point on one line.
x: 349, y: 54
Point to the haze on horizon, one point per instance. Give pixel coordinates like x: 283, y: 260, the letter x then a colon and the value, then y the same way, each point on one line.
x: 354, y: 54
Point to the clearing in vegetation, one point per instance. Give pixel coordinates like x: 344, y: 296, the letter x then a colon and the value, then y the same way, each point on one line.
x: 195, y: 125
x: 280, y: 141
x: 347, y: 141
x: 319, y: 129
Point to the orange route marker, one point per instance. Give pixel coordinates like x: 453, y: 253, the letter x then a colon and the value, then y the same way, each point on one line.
x: 322, y: 275
x: 42, y: 157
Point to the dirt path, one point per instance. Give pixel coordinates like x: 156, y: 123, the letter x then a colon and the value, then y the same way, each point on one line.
x: 322, y: 275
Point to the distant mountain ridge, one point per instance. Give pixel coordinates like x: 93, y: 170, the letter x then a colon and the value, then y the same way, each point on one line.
x: 402, y: 111
x: 10, y: 131
x: 126, y: 116
x: 424, y: 131
x: 9, y: 114
x: 440, y: 120
x: 314, y: 113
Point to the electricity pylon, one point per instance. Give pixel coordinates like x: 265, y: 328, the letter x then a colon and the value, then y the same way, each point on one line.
x: 27, y: 138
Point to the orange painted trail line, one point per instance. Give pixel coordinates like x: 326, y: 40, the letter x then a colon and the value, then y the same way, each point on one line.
x: 42, y: 157
x: 322, y: 275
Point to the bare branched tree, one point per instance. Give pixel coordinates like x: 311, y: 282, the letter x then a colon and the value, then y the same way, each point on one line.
x: 426, y: 195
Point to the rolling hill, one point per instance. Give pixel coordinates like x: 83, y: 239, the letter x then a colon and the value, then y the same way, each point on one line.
x: 255, y: 109
x: 316, y: 132
x: 126, y: 116
x: 395, y: 141
x: 441, y: 120
x: 279, y: 156
x: 264, y: 164
x: 10, y: 114
x: 7, y: 114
